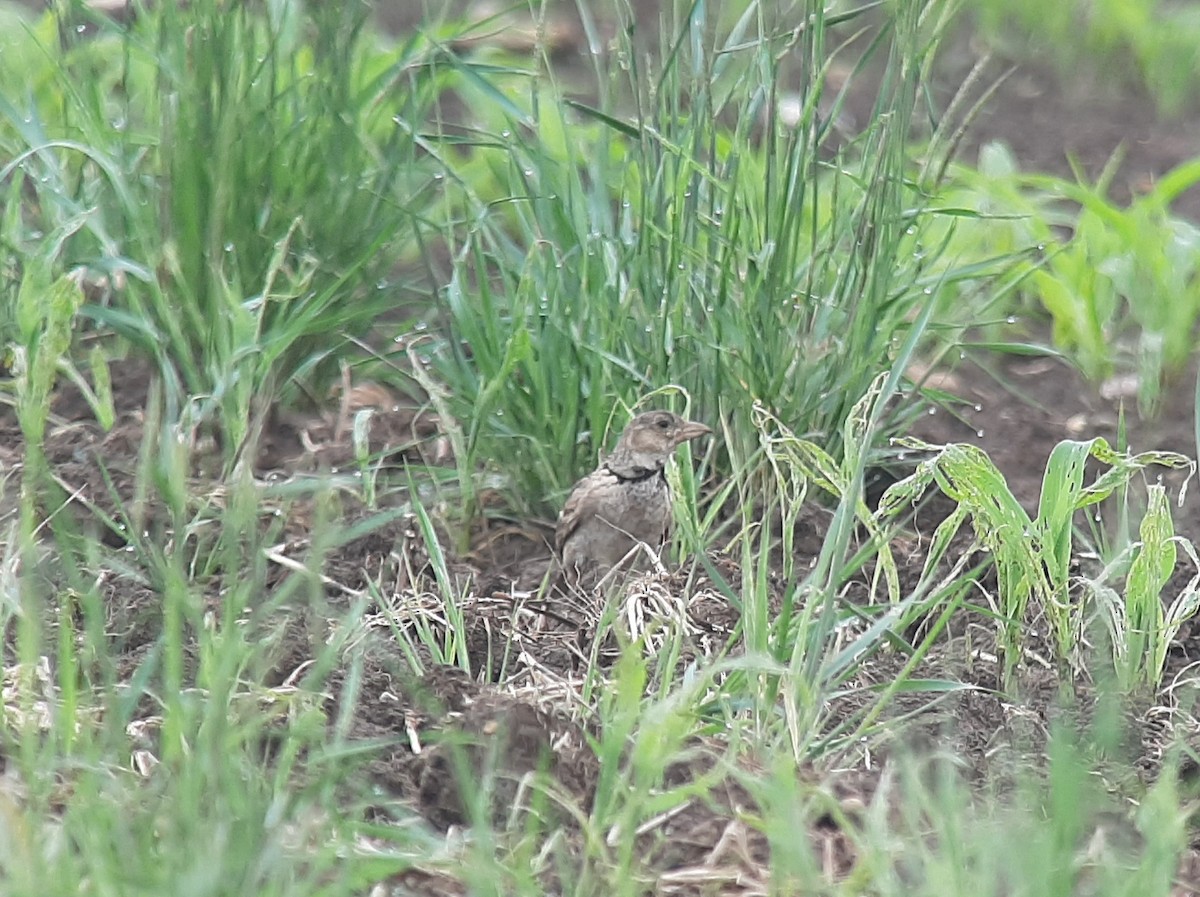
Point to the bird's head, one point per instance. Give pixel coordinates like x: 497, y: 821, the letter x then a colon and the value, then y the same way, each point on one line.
x: 649, y: 440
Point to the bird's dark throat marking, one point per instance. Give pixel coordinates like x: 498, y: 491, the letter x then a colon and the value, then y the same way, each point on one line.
x: 640, y: 474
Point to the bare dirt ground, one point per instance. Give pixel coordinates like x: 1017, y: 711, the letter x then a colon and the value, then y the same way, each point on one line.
x: 518, y: 710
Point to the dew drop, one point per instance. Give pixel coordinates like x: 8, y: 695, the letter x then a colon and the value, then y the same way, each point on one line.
x: 979, y: 434
x: 978, y: 407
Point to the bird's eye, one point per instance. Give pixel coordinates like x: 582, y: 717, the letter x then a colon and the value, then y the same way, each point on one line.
x: 664, y: 424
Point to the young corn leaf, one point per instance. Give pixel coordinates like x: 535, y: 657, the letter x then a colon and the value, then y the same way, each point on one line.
x: 1032, y: 556
x: 1149, y: 572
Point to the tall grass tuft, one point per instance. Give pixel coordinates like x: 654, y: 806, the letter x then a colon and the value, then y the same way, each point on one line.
x: 244, y: 175
x: 679, y: 229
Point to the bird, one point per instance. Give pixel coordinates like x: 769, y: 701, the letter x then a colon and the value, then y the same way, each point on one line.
x: 626, y: 500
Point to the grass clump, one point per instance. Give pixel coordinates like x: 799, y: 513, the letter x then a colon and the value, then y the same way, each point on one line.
x: 680, y: 231
x: 241, y: 179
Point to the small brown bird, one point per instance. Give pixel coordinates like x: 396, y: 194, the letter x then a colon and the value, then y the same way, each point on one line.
x: 626, y: 499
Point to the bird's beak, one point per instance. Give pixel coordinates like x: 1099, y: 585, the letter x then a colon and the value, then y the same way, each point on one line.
x: 690, y: 430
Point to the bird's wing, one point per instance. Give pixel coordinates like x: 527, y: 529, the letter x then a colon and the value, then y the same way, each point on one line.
x: 581, y: 504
